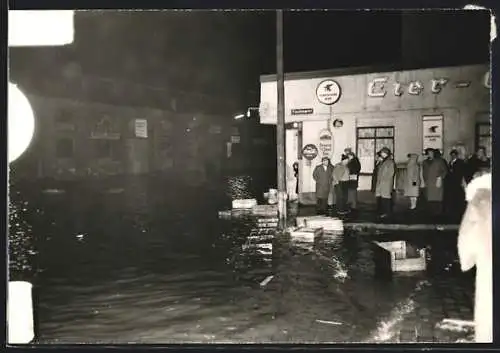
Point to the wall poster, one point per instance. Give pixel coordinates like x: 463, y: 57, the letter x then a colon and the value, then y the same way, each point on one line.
x: 432, y: 132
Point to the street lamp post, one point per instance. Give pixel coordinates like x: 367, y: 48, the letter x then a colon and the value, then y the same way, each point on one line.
x: 280, y: 130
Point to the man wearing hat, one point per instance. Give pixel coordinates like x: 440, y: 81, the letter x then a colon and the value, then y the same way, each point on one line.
x: 384, y: 187
x: 352, y: 186
x: 454, y: 186
x: 322, y: 175
x: 434, y: 170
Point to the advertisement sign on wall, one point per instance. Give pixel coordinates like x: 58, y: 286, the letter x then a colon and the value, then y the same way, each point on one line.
x: 326, y: 143
x: 432, y: 132
x: 141, y: 128
x: 328, y: 92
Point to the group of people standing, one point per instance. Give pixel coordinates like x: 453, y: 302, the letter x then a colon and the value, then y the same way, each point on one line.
x: 337, y: 184
x: 440, y: 184
x: 435, y: 182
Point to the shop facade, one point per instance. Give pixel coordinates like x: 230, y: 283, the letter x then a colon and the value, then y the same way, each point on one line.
x: 406, y: 111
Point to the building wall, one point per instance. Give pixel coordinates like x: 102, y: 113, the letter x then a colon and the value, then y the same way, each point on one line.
x: 461, y: 109
x: 176, y: 144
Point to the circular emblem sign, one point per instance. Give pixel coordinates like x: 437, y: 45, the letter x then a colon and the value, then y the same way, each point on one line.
x: 310, y: 152
x: 328, y: 92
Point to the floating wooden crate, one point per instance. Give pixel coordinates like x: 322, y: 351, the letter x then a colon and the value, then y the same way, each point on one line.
x: 306, y: 234
x: 244, y: 203
x: 265, y: 210
x: 329, y: 224
x: 267, y: 225
x: 225, y: 214
x: 398, y: 256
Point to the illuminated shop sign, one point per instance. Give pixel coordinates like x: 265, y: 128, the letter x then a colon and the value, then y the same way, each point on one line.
x: 378, y: 87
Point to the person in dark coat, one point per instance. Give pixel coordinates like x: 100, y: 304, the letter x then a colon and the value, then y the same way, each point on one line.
x: 323, y: 175
x: 454, y: 186
x: 477, y: 164
x: 385, y: 182
x: 341, y: 185
x: 378, y: 160
x: 352, y: 187
x: 296, y: 175
x: 434, y: 171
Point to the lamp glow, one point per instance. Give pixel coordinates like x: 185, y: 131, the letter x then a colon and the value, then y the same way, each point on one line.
x: 40, y: 27
x: 21, y: 123
x: 239, y: 116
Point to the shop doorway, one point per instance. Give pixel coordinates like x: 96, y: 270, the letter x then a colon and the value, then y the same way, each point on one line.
x: 293, y: 155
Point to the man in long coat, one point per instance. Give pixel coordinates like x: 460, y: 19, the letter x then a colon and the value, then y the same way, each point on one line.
x: 434, y: 170
x: 384, y: 188
x: 323, y: 176
x: 475, y: 249
x: 454, y: 193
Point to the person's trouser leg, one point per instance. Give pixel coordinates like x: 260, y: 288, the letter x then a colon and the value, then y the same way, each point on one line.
x: 386, y: 206
x: 378, y: 206
x: 413, y: 202
x: 339, y: 199
x: 322, y: 205
x: 352, y: 197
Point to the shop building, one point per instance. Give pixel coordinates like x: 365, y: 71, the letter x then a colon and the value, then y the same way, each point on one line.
x: 366, y: 109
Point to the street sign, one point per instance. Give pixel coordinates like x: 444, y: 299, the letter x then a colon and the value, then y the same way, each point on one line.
x: 310, y: 152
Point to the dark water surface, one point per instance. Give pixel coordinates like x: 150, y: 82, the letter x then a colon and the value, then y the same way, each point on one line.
x: 145, y: 262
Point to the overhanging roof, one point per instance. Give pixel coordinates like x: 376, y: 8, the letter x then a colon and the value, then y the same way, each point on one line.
x: 347, y: 71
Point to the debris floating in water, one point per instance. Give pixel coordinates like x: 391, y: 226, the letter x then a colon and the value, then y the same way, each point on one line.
x: 329, y: 322
x: 455, y: 325
x: 80, y: 236
x: 266, y: 281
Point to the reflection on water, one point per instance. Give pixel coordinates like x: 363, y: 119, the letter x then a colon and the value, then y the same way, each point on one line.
x: 167, y: 270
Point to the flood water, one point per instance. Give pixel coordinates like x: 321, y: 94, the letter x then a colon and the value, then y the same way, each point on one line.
x: 148, y: 262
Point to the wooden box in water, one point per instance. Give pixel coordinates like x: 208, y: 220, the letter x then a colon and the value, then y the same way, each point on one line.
x: 265, y: 210
x: 329, y: 224
x: 306, y: 234
x: 398, y: 256
x: 244, y: 203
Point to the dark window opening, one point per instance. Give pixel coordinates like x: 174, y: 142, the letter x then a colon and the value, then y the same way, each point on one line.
x: 106, y: 149
x: 64, y: 148
x: 483, y: 137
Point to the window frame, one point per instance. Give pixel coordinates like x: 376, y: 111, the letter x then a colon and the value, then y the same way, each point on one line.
x: 113, y: 146
x: 478, y: 134
x: 375, y: 138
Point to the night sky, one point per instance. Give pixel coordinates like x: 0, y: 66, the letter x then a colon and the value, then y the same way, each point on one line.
x: 223, y: 53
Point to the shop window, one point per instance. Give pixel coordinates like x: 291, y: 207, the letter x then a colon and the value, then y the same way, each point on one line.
x: 483, y: 136
x: 64, y: 148
x: 370, y: 140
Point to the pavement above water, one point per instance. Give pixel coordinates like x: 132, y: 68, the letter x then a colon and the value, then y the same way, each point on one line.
x: 138, y: 267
